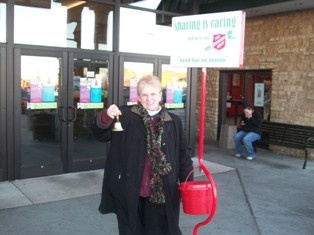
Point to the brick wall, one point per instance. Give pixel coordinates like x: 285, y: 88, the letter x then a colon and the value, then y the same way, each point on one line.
x: 283, y: 43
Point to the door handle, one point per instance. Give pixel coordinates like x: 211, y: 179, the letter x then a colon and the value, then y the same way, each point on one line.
x: 74, y: 114
x: 61, y: 114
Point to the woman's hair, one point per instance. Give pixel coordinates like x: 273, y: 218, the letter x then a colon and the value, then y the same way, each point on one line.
x: 150, y: 80
x: 248, y: 107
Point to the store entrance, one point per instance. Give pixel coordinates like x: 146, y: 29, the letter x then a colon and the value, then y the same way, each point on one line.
x: 57, y: 96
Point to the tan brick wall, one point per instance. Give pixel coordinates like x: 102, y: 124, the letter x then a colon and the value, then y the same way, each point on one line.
x: 283, y: 43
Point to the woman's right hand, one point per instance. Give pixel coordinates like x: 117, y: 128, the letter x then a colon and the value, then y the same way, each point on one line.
x: 113, y: 111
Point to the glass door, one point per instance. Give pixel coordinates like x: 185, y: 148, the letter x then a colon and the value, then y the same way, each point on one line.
x: 235, y: 97
x: 40, y: 120
x: 88, y: 95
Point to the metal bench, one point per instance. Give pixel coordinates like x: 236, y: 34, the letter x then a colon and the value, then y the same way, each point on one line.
x: 287, y: 135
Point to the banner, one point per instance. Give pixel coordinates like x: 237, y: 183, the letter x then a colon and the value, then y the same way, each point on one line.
x: 208, y: 40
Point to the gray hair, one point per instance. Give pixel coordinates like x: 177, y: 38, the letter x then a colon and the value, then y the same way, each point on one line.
x: 149, y: 80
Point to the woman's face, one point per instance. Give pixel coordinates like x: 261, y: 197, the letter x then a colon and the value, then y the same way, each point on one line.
x: 150, y: 97
x: 248, y: 112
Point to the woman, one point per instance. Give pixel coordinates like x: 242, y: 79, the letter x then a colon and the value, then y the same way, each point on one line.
x: 250, y: 128
x: 146, y: 161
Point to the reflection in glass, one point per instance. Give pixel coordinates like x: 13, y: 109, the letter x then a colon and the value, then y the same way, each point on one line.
x: 3, y: 17
x: 40, y: 127
x: 63, y: 24
x: 174, y: 83
x: 133, y: 71
x: 147, y: 38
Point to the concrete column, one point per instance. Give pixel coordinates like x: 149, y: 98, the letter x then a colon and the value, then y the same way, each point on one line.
x: 226, y: 136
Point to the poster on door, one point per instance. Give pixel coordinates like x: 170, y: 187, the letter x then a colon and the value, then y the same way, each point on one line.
x: 36, y: 90
x: 95, y: 90
x: 133, y: 90
x: 48, y: 90
x: 85, y: 86
x: 174, y: 92
x: 259, y: 95
x: 42, y: 94
x: 90, y: 91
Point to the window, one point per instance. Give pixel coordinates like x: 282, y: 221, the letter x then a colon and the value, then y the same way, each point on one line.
x: 77, y: 24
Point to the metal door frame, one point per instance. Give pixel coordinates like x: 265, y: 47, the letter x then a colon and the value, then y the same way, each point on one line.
x: 3, y: 112
x: 43, y: 169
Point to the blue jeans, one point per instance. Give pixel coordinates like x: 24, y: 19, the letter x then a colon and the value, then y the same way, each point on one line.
x: 246, y: 138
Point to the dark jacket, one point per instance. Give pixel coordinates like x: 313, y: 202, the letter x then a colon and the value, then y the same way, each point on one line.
x: 254, y: 124
x: 125, y: 163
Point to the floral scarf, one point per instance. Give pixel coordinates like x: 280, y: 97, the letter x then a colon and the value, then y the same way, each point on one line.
x: 158, y: 161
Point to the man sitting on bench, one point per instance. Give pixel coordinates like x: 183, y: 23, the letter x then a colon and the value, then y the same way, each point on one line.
x: 250, y: 129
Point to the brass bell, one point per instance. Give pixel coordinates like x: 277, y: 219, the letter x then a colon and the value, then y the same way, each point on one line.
x: 117, y: 125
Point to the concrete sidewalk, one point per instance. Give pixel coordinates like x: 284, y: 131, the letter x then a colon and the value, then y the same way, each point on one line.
x: 269, y: 195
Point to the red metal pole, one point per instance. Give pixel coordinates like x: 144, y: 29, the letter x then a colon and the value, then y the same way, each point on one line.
x: 200, y: 155
x: 202, y: 115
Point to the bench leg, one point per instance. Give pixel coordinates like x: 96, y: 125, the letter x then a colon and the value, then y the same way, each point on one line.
x: 305, y: 160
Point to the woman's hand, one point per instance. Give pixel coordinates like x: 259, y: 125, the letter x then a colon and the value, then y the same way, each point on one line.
x: 248, y: 113
x: 113, y: 111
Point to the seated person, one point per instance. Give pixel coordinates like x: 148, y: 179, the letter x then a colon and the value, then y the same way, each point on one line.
x: 250, y: 129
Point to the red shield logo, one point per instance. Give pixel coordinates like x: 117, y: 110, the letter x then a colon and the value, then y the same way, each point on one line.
x: 219, y: 41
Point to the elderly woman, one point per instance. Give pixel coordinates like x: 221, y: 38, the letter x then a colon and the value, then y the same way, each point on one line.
x: 146, y: 162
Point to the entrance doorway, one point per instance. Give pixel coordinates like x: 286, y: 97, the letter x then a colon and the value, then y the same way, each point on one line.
x: 239, y: 88
x: 57, y: 97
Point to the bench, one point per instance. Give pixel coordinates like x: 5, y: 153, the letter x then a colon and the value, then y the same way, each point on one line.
x: 287, y: 135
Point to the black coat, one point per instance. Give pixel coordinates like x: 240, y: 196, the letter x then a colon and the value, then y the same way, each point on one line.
x: 254, y: 124
x: 125, y: 163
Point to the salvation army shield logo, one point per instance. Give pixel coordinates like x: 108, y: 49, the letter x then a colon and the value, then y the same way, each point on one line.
x: 219, y: 41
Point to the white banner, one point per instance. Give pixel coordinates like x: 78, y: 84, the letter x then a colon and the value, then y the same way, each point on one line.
x: 208, y: 40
